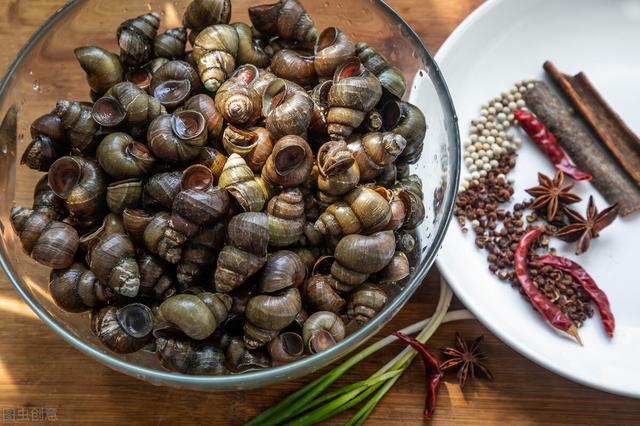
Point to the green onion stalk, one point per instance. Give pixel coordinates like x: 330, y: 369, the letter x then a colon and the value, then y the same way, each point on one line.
x: 311, y: 404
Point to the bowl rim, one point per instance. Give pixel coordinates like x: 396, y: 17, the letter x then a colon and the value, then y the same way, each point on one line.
x: 306, y: 365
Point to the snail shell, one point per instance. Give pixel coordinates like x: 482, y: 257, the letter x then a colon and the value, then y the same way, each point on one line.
x: 78, y: 123
x: 338, y: 171
x: 198, y: 315
x: 103, y: 68
x: 160, y: 190
x: 135, y: 39
x: 123, y: 158
x: 295, y: 67
x: 286, y: 347
x: 123, y: 329
x: 321, y: 295
x: 267, y: 314
x: 76, y: 289
x: 124, y: 194
x: 204, y: 13
x: 113, y: 261
x: 83, y: 186
x: 243, y: 186
x: 236, y: 100
x: 49, y: 142
x: 190, y: 357
x: 253, y: 144
x: 283, y: 269
x: 374, y: 151
x: 390, y: 77
x: 215, y: 50
x: 363, y: 210
x: 47, y: 241
x: 262, y: 82
x: 287, y: 109
x: 366, y: 302
x: 286, y: 217
x: 198, y: 255
x: 154, y: 232
x: 241, y: 359
x: 250, y: 50
x: 398, y: 210
x: 126, y: 103
x: 290, y: 162
x: 46, y: 201
x: 319, y: 94
x: 332, y: 49
x: 205, y: 105
x: 409, y: 122
x: 174, y: 82
x: 213, y: 159
x: 397, y: 269
x: 157, y: 280
x: 171, y: 43
x: 353, y: 94
x: 245, y: 251
x: 322, y: 330
x: 286, y: 19
x: 178, y: 137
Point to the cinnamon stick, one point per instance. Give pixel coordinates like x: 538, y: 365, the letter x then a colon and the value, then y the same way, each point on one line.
x: 623, y: 144
x: 585, y: 150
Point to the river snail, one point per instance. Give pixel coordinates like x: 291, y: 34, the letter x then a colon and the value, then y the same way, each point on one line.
x: 267, y: 314
x: 76, y: 289
x: 353, y: 94
x: 47, y: 241
x: 245, y: 251
x: 215, y: 50
x: 83, y: 186
x: 103, y: 68
x: 48, y: 143
x: 171, y: 43
x: 390, y: 77
x: 135, y: 39
x: 362, y: 210
x: 286, y: 217
x: 322, y: 330
x: 332, y: 49
x: 286, y: 19
x: 174, y: 82
x: 233, y: 206
x: 123, y: 329
x: 236, y: 99
x: 178, y: 137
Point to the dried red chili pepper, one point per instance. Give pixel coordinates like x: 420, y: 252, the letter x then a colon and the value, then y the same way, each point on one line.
x: 547, y: 142
x: 588, y: 284
x: 540, y: 302
x: 432, y: 371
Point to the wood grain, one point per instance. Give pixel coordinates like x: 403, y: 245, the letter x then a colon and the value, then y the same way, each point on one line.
x: 37, y: 369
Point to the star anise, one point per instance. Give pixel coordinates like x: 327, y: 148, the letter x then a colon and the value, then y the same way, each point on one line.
x: 584, y: 229
x: 466, y: 359
x: 552, y: 194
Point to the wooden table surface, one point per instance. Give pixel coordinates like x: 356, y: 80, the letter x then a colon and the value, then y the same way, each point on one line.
x: 38, y: 370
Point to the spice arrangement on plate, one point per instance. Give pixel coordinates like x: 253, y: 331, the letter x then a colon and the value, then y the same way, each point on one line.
x: 517, y: 236
x: 232, y: 207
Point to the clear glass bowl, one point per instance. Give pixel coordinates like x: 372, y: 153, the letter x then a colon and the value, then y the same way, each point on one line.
x: 45, y: 70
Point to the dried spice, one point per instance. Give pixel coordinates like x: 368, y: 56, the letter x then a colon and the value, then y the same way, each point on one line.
x: 552, y: 194
x: 623, y: 144
x: 584, y: 229
x: 588, y: 153
x: 432, y: 371
x: 548, y: 144
x: 588, y: 284
x: 552, y: 313
x: 467, y: 359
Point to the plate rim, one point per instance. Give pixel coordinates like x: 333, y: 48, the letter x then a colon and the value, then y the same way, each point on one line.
x: 448, y: 45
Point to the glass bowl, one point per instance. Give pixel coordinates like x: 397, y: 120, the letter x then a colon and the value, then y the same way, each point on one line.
x: 45, y: 70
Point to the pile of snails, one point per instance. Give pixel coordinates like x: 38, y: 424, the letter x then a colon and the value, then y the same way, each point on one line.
x: 231, y: 207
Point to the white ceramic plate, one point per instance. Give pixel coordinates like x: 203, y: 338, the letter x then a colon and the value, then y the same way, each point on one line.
x: 506, y: 41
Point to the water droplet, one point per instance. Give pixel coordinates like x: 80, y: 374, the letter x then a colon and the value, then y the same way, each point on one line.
x: 326, y: 4
x: 36, y: 86
x: 421, y: 73
x: 4, y: 149
x: 30, y: 72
